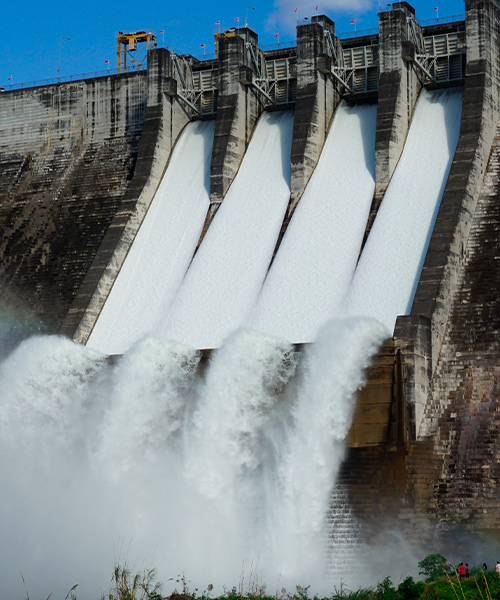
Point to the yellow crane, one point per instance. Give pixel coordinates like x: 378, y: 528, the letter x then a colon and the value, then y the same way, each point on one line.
x: 132, y: 48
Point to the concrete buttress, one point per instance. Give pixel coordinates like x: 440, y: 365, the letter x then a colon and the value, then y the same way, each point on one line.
x: 399, y: 86
x: 318, y: 94
x: 239, y: 106
x: 165, y: 118
x: 480, y: 113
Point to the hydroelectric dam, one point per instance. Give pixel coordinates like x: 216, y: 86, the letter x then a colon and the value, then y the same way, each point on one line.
x: 252, y: 301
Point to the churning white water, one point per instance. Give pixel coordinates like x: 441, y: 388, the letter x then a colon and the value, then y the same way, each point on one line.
x: 162, y: 460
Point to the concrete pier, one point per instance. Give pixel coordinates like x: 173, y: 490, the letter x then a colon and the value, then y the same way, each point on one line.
x: 165, y: 118
x: 318, y: 94
x: 239, y: 106
x: 399, y: 86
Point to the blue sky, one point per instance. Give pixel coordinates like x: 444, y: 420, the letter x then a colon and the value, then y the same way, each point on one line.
x: 31, y: 31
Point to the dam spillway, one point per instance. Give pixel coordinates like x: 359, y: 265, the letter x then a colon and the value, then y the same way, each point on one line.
x: 163, y: 247
x: 68, y: 236
x: 389, y: 268
x: 224, y: 279
x: 307, y: 282
x: 224, y: 287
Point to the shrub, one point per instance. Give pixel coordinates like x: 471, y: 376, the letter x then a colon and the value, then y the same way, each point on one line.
x: 385, y: 590
x: 433, y: 566
x: 410, y: 589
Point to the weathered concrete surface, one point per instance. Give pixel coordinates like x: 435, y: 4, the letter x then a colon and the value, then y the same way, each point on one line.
x: 399, y: 86
x: 318, y: 94
x: 480, y: 113
x: 412, y: 339
x: 79, y: 165
x: 400, y: 83
x: 67, y: 155
x: 462, y: 417
x: 376, y: 410
x: 239, y: 106
x: 453, y: 469
x: 165, y: 118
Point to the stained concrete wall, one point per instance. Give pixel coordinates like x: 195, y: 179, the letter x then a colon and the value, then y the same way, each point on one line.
x: 67, y: 155
x: 412, y: 339
x: 79, y: 165
x: 452, y: 465
x: 318, y: 94
x: 461, y: 420
x: 480, y: 113
x: 399, y: 86
x: 376, y: 417
x: 165, y: 118
x: 239, y: 106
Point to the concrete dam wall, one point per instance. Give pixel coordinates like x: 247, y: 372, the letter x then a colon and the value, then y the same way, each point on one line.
x: 83, y: 167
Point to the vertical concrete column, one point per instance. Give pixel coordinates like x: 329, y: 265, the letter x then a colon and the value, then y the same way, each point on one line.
x: 165, y: 118
x: 318, y: 93
x: 238, y: 108
x: 399, y: 86
x: 480, y: 114
x: 412, y: 337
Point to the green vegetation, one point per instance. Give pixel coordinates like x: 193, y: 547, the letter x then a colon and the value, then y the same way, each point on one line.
x: 441, y: 583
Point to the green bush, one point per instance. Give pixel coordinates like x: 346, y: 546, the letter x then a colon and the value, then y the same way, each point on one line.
x: 385, y: 590
x: 410, y: 589
x: 433, y: 566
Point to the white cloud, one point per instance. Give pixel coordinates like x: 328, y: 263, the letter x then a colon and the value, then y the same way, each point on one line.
x: 284, y: 18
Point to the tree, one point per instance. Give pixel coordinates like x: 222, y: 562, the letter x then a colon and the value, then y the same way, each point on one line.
x: 433, y: 566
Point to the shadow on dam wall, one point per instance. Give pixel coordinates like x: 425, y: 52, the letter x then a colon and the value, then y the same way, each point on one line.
x: 80, y: 163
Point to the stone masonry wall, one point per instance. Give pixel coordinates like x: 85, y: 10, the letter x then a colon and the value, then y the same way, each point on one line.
x: 462, y: 417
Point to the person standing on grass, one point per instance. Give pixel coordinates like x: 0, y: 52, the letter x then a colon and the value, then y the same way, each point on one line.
x: 497, y: 567
x: 461, y: 571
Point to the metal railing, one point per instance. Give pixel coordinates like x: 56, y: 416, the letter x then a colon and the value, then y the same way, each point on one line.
x: 206, y: 57
x: 202, y: 57
x: 442, y: 20
x: 427, y: 22
x: 279, y: 45
x: 358, y: 33
x: 62, y: 79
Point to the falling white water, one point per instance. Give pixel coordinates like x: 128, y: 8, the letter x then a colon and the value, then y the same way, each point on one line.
x: 388, y: 271
x: 202, y: 469
x: 308, y: 280
x: 225, y: 277
x: 332, y: 370
x: 163, y: 247
x: 154, y: 379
